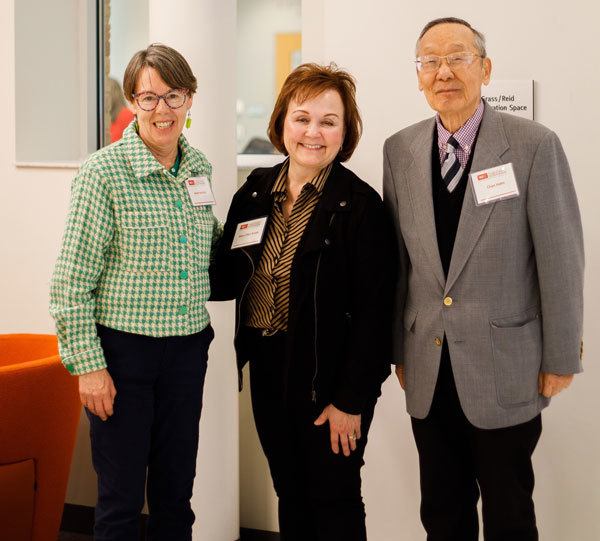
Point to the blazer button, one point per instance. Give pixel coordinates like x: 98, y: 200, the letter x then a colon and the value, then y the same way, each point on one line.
x: 254, y: 194
x: 438, y: 341
x: 448, y: 301
x: 327, y: 242
x: 343, y: 203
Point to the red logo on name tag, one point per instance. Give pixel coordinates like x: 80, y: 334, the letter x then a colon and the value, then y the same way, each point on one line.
x: 192, y: 182
x: 243, y: 226
x: 483, y: 176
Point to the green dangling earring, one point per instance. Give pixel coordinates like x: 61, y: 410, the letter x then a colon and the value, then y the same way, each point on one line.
x: 136, y: 126
x: 188, y: 120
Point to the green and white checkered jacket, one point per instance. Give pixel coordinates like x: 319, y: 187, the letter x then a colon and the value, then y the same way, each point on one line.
x: 135, y: 252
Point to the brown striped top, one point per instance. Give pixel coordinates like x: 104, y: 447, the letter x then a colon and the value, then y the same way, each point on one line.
x: 269, y: 288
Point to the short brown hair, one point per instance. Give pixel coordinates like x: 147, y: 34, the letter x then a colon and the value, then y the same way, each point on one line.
x: 170, y: 64
x: 308, y: 81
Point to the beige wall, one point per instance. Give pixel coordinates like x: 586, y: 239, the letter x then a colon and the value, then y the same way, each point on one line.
x: 552, y: 43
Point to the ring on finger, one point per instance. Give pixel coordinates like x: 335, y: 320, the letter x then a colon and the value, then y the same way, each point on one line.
x: 352, y: 437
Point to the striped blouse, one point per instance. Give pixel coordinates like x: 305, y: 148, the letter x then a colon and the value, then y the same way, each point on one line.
x: 269, y: 289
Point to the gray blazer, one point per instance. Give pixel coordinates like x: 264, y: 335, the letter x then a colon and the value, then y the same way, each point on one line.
x: 515, y: 278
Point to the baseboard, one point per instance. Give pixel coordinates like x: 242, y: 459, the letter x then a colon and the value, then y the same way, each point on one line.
x: 80, y: 519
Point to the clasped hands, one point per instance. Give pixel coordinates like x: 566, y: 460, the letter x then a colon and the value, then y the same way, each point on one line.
x: 549, y: 385
x: 344, y: 429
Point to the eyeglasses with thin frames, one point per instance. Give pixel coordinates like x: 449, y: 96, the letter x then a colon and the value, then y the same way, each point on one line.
x: 432, y: 63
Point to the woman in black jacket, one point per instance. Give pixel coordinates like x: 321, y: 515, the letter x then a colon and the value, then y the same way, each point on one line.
x: 307, y: 254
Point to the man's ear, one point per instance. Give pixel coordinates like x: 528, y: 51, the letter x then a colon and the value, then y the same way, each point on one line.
x: 486, y: 66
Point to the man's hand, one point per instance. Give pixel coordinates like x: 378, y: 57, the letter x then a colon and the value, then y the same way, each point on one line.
x: 551, y: 384
x: 400, y: 375
x: 343, y: 427
x: 97, y: 393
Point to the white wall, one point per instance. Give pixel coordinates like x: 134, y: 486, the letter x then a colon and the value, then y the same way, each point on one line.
x: 555, y: 44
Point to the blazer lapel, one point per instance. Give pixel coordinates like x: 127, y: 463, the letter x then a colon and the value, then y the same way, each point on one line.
x: 491, y: 145
x: 418, y: 176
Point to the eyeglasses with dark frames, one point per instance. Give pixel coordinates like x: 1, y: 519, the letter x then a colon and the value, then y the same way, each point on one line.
x: 148, y: 101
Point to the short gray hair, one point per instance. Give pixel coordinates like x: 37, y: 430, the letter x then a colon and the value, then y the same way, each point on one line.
x: 478, y: 37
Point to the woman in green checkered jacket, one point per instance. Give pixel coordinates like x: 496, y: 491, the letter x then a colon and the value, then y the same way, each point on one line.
x: 128, y: 295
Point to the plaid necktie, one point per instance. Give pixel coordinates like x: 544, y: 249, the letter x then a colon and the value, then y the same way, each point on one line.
x: 451, y: 169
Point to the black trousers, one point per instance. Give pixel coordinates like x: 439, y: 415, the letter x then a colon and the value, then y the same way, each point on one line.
x: 459, y: 461
x: 152, y: 436
x: 319, y: 492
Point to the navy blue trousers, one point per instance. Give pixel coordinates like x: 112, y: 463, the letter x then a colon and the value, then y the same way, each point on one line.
x: 150, y: 443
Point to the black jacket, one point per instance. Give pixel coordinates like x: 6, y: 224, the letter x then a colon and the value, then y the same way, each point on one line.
x: 340, y: 290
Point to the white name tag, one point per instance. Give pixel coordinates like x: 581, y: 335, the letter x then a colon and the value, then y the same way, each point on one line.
x: 249, y: 233
x: 200, y: 191
x: 495, y: 184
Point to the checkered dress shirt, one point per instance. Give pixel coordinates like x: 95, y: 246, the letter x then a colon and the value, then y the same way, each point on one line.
x: 135, y: 252
x: 465, y: 136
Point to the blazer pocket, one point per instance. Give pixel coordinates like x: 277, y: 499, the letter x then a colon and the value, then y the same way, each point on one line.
x: 143, y: 241
x: 517, y: 353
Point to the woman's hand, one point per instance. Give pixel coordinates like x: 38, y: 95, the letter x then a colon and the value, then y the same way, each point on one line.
x: 97, y: 393
x: 344, y: 428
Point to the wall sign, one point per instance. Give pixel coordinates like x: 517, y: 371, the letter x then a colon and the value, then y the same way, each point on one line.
x: 514, y: 97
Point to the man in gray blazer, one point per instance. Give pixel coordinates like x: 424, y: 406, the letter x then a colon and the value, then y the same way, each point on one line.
x: 488, y: 317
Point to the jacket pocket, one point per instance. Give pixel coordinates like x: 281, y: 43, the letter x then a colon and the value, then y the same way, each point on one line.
x: 517, y: 352
x: 142, y: 242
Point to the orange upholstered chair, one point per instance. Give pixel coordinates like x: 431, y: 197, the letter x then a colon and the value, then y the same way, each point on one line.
x: 39, y: 414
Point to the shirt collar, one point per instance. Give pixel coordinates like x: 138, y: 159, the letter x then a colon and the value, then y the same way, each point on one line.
x: 316, y: 183
x: 465, y: 135
x: 279, y: 186
x: 144, y: 163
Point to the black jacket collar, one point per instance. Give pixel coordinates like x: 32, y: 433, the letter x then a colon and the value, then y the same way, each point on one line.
x: 336, y: 196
